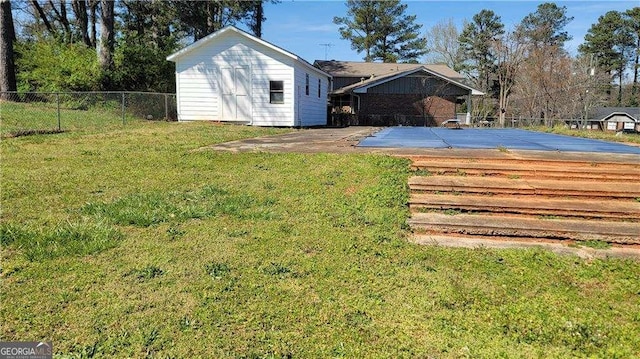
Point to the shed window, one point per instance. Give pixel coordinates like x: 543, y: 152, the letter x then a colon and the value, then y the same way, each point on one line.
x: 306, y: 85
x: 319, y: 84
x: 276, y: 91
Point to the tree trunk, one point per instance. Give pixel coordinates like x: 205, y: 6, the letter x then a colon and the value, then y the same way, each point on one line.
x: 502, y: 105
x: 93, y: 4
x: 42, y: 15
x: 80, y: 10
x: 105, y: 53
x: 620, y: 77
x: 7, y: 35
x: 636, y: 68
x: 210, y: 15
x: 258, y: 17
x: 61, y: 16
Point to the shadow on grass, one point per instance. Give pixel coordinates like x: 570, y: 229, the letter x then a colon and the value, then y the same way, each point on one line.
x: 23, y: 133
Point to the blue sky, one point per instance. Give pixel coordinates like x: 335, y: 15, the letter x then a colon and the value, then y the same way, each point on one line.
x: 301, y: 26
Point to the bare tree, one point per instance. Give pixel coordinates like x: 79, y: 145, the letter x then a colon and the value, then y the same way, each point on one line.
x: 509, y: 51
x: 584, y: 89
x: 540, y: 88
x: 7, y: 36
x: 80, y: 11
x: 443, y: 45
x: 54, y: 16
x: 431, y: 93
x: 60, y: 15
x: 42, y: 15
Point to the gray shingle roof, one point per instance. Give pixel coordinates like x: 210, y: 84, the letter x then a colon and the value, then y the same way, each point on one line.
x: 389, y: 76
x: 602, y: 112
x: 378, y: 69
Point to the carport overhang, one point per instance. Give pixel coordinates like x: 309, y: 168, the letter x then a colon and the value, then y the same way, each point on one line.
x: 360, y: 88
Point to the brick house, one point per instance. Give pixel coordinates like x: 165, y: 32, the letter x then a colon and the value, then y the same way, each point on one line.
x: 612, y: 119
x: 619, y: 118
x: 383, y: 94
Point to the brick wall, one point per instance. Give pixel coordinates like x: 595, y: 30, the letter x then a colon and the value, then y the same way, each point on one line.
x: 377, y: 109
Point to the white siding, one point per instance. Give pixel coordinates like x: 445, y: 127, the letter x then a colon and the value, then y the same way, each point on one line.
x: 311, y: 110
x: 197, y: 94
x: 200, y: 85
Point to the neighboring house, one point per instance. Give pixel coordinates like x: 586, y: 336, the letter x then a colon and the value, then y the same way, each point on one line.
x: 615, y: 119
x: 368, y: 93
x: 233, y: 76
x: 619, y: 118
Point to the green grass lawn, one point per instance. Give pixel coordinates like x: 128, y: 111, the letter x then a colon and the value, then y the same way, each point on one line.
x: 595, y: 134
x: 128, y: 243
x: 17, y: 118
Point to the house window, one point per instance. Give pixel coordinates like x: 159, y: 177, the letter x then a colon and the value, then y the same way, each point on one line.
x: 319, y: 84
x: 306, y: 85
x: 276, y: 91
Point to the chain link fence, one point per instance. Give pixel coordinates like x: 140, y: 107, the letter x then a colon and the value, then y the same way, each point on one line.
x: 23, y: 113
x: 347, y: 119
x: 525, y: 122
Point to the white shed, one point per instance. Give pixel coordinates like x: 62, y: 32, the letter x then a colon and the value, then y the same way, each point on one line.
x: 233, y: 76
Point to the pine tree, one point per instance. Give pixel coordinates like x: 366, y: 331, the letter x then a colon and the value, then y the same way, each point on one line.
x: 611, y: 41
x: 382, y: 30
x: 633, y: 20
x: 545, y: 26
x: 475, y: 40
x: 200, y: 18
x: 257, y: 18
x: 543, y: 33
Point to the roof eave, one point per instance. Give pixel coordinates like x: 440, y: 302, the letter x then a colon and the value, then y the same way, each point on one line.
x: 221, y: 32
x: 364, y: 87
x: 185, y: 50
x: 182, y: 52
x: 618, y: 114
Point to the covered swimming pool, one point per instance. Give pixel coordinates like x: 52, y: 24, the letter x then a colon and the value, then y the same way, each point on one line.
x: 475, y: 138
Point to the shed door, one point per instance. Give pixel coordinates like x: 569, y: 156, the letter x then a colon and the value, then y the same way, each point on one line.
x: 236, y: 93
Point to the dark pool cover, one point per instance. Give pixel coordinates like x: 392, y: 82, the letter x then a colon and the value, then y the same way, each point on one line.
x: 514, y: 139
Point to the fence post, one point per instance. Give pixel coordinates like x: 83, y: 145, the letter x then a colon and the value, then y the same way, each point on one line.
x: 166, y: 107
x: 123, y: 120
x: 58, y: 108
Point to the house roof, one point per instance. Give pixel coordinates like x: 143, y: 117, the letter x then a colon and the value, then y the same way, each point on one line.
x: 232, y: 29
x: 601, y: 113
x: 363, y: 86
x: 624, y: 114
x: 377, y: 69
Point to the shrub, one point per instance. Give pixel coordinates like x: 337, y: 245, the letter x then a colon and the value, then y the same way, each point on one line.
x: 49, y: 66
